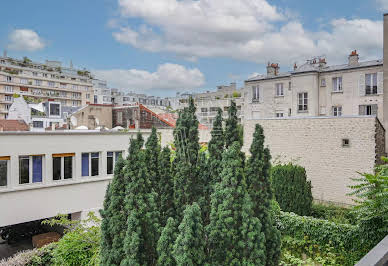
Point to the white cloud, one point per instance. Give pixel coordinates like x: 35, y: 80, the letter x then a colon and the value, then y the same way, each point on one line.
x: 168, y: 78
x: 25, y: 40
x: 251, y: 30
x: 383, y: 4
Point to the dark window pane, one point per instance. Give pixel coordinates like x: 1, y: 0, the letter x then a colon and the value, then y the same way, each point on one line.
x: 109, y: 168
x: 57, y: 168
x: 85, y: 164
x: 24, y: 170
x: 37, y: 169
x: 68, y: 167
x: 3, y: 173
x: 118, y: 154
x: 94, y: 166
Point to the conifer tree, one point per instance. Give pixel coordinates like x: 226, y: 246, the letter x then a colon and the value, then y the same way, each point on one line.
x: 259, y: 188
x: 232, y: 133
x: 114, y: 219
x: 152, y: 157
x: 166, y: 244
x: 216, y: 148
x: 235, y: 236
x: 166, y: 184
x: 186, y: 177
x: 189, y: 247
x: 143, y: 216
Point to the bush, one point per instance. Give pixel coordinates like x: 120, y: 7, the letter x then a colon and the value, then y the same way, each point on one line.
x: 333, y: 213
x: 44, y: 255
x: 292, y: 190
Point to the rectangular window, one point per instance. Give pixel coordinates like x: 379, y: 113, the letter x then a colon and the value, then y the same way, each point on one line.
x: 4, y: 170
x: 8, y: 98
x: 111, y: 160
x: 62, y: 85
x: 370, y: 109
x: 8, y: 88
x: 371, y: 84
x: 35, y: 74
x: 30, y: 167
x: 9, y: 78
x: 87, y: 95
x: 337, y: 84
x: 203, y: 110
x: 63, y: 166
x: 23, y: 81
x: 51, y: 84
x: 55, y: 109
x: 279, y: 115
x: 74, y: 87
x: 289, y: 85
x: 85, y: 164
x: 323, y: 82
x: 302, y: 101
x: 279, y: 89
x: 90, y: 164
x: 337, y: 110
x: 38, y: 82
x: 255, y: 93
x: 37, y: 124
x: 94, y: 163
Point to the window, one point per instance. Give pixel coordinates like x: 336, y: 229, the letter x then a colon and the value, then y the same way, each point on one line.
x: 74, y: 87
x: 7, y: 106
x: 75, y: 103
x: 37, y: 124
x: 337, y: 84
x: 119, y: 118
x: 368, y: 109
x: 279, y: 89
x: 51, y: 84
x: 8, y: 98
x: 23, y: 81
x: 35, y: 74
x: 55, y: 109
x: 4, y: 160
x: 371, y: 83
x: 289, y: 85
x: 111, y: 160
x: 203, y: 110
x: 255, y: 93
x: 8, y: 78
x: 8, y: 88
x: 90, y: 164
x: 323, y: 82
x: 302, y: 101
x: 63, y: 166
x: 38, y: 82
x: 345, y: 142
x: 337, y: 110
x: 45, y: 75
x: 279, y: 115
x: 30, y: 169
x: 87, y: 96
x: 62, y: 85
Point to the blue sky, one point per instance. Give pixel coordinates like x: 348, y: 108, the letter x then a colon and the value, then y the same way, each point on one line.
x: 164, y: 46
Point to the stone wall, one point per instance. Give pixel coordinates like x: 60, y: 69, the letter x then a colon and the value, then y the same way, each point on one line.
x: 317, y: 144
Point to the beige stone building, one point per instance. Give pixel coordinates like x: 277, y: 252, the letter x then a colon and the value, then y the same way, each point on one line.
x: 42, y: 82
x: 317, y: 89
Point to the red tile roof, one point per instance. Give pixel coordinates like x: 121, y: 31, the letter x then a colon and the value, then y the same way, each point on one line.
x: 171, y: 117
x: 13, y: 125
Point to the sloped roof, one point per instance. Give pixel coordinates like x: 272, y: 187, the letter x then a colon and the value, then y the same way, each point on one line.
x: 13, y: 125
x: 171, y: 117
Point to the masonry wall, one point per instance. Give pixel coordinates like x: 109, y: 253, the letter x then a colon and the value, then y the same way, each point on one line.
x: 93, y: 116
x: 316, y: 144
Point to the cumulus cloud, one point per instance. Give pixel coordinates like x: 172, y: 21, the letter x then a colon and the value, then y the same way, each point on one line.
x: 25, y: 40
x: 251, y: 30
x: 168, y: 78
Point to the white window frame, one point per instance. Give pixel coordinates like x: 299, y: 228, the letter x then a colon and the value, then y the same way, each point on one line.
x: 51, y: 84
x: 114, y: 160
x: 337, y: 111
x: 8, y: 174
x: 8, y: 98
x: 23, y: 81
x: 63, y: 168
x: 8, y: 88
x: 90, y: 164
x: 323, y: 82
x: 304, y: 99
x: 30, y: 169
x: 279, y: 89
x: 279, y: 114
x: 256, y: 93
x: 337, y: 84
x: 38, y: 82
x: 371, y: 75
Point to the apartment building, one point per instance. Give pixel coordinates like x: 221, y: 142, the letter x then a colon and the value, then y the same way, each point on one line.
x: 102, y: 94
x: 38, y: 82
x: 317, y: 89
x: 121, y: 98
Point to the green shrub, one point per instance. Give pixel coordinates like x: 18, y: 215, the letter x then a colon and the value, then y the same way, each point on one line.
x: 44, y: 255
x: 333, y: 213
x: 292, y: 190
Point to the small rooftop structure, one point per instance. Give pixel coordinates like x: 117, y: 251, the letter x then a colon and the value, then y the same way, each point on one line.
x: 13, y: 125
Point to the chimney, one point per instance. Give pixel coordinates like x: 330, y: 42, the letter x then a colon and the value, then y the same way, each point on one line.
x: 295, y: 66
x: 272, y: 69
x: 353, y: 58
x: 322, y: 62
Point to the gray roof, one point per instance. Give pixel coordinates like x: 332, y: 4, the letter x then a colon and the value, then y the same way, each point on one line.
x: 309, y: 67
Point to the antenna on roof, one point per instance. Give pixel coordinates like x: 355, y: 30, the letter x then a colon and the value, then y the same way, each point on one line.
x: 71, y: 63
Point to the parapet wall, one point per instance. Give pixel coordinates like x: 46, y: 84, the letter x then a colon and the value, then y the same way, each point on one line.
x: 317, y: 144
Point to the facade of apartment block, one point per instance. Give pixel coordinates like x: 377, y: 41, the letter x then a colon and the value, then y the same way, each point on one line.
x: 121, y: 98
x: 102, y: 94
x: 42, y: 82
x: 316, y: 89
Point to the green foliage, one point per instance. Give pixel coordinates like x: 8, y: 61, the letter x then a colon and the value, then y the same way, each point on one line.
x: 259, y: 188
x: 333, y: 213
x: 292, y: 190
x: 235, y: 236
x: 189, y: 247
x: 216, y: 148
x: 152, y: 157
x: 372, y: 208
x: 166, y: 242
x: 114, y: 218
x: 43, y: 256
x: 81, y: 243
x: 236, y: 94
x: 231, y: 126
x: 166, y: 184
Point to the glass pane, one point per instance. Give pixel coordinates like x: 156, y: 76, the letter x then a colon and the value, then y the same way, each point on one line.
x: 109, y: 168
x: 57, y: 168
x: 118, y: 154
x: 94, y: 166
x: 85, y: 164
x: 37, y: 169
x: 68, y: 167
x: 3, y: 173
x: 24, y: 170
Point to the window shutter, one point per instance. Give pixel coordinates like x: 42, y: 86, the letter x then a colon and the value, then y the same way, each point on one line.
x: 380, y: 83
x: 361, y: 84
x: 374, y: 109
x: 361, y: 109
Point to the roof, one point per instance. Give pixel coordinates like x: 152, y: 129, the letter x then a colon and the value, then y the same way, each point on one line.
x: 310, y: 67
x: 172, y: 117
x: 13, y: 125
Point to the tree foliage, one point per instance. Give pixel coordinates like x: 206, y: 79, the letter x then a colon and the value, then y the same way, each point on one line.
x: 259, y: 188
x: 235, y: 236
x: 166, y: 184
x: 232, y: 132
x: 292, y: 189
x: 216, y: 148
x: 166, y: 242
x: 189, y: 247
x: 152, y: 157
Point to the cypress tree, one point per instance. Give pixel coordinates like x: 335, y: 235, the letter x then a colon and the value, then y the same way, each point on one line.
x: 186, y: 177
x: 114, y: 218
x: 166, y: 244
x: 232, y: 133
x: 216, y: 148
x: 166, y: 184
x: 259, y: 188
x: 235, y: 236
x: 143, y: 217
x: 152, y: 157
x: 189, y: 247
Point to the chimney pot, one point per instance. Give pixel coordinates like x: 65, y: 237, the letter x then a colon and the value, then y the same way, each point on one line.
x: 272, y: 69
x: 353, y: 58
